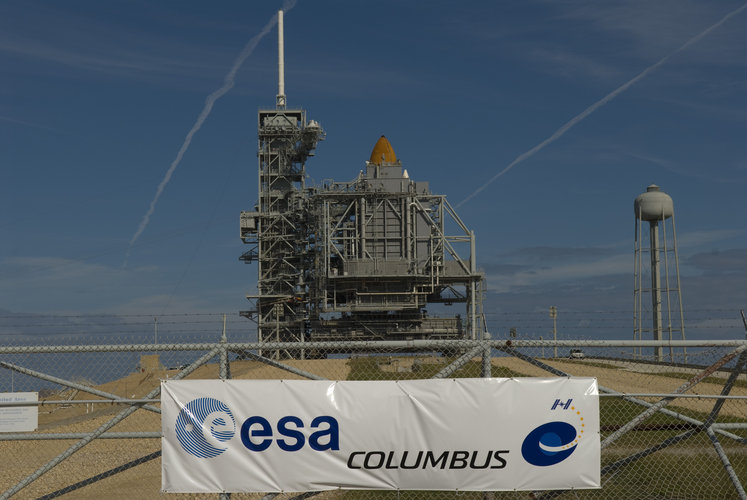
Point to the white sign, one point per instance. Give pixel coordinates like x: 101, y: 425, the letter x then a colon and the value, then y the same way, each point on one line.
x: 18, y: 418
x: 456, y: 434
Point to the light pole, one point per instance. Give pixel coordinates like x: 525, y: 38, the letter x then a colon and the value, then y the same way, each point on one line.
x: 554, y: 317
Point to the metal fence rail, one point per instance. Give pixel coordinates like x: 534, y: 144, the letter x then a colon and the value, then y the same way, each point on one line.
x: 670, y: 429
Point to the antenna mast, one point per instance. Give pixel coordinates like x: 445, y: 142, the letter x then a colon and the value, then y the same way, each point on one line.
x: 280, y: 99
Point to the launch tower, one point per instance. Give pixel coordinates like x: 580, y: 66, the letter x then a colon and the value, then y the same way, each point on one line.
x: 357, y: 260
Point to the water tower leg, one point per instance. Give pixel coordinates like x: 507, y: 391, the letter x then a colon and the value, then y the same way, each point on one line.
x: 656, y: 288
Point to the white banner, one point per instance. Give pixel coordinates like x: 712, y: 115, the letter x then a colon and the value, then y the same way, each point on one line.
x: 455, y: 434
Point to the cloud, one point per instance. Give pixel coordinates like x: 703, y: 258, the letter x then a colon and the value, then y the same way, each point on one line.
x: 30, y: 271
x: 532, y: 264
x: 569, y: 273
x: 107, y: 58
x: 548, y: 253
x: 60, y: 284
x: 496, y: 269
x: 690, y: 168
x: 25, y: 123
x: 347, y: 78
x: 658, y: 27
x: 601, y: 102
x: 712, y: 324
x: 724, y: 292
x: 157, y: 304
x: 601, y: 306
x: 532, y: 268
x: 95, y: 58
x: 733, y: 261
x: 694, y: 239
x: 724, y: 110
x: 64, y: 41
x: 569, y: 64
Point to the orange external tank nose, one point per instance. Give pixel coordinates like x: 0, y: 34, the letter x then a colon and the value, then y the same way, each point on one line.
x: 383, y: 153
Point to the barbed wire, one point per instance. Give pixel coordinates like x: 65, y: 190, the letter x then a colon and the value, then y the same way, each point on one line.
x: 236, y: 315
x: 114, y: 315
x: 148, y: 324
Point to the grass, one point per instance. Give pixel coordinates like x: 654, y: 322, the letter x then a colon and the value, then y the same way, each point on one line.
x: 711, y: 380
x: 617, y: 411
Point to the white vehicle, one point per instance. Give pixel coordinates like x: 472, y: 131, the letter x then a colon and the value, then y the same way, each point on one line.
x: 577, y: 354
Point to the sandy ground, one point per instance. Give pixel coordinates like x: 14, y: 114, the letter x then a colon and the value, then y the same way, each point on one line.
x: 24, y: 457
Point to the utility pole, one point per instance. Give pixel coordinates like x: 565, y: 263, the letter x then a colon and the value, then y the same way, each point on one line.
x: 554, y: 317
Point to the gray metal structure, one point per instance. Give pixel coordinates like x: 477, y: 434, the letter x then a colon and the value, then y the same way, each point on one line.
x: 663, y: 283
x: 354, y: 260
x: 278, y: 230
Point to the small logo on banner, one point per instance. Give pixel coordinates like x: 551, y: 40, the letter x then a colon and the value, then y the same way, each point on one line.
x: 560, y: 405
x: 553, y: 442
x: 203, y: 426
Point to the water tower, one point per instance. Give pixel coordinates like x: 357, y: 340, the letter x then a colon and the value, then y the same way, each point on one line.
x: 658, y: 302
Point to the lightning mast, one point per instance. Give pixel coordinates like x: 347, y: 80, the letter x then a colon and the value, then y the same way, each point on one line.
x: 280, y: 99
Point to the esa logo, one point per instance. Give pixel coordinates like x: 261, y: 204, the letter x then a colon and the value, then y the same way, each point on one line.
x: 553, y: 442
x: 257, y: 433
x: 205, y: 425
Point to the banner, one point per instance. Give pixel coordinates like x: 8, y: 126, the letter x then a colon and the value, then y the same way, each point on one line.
x: 457, y: 434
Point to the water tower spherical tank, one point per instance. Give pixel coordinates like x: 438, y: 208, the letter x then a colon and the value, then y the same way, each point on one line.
x: 653, y: 205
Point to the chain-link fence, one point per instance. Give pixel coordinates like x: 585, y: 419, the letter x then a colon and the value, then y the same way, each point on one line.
x: 673, y: 428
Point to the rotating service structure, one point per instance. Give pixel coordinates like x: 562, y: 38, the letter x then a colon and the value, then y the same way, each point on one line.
x: 385, y: 248
x: 359, y: 260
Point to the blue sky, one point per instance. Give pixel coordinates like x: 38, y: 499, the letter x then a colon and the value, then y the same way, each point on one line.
x: 96, y: 99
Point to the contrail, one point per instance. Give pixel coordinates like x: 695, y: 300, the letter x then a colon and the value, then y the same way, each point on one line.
x: 228, y: 83
x: 601, y: 102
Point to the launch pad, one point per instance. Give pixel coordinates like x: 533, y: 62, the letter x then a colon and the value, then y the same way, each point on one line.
x: 357, y: 260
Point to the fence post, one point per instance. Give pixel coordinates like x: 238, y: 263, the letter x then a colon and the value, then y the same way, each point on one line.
x: 487, y: 372
x: 225, y: 368
x: 225, y: 373
x: 487, y: 365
